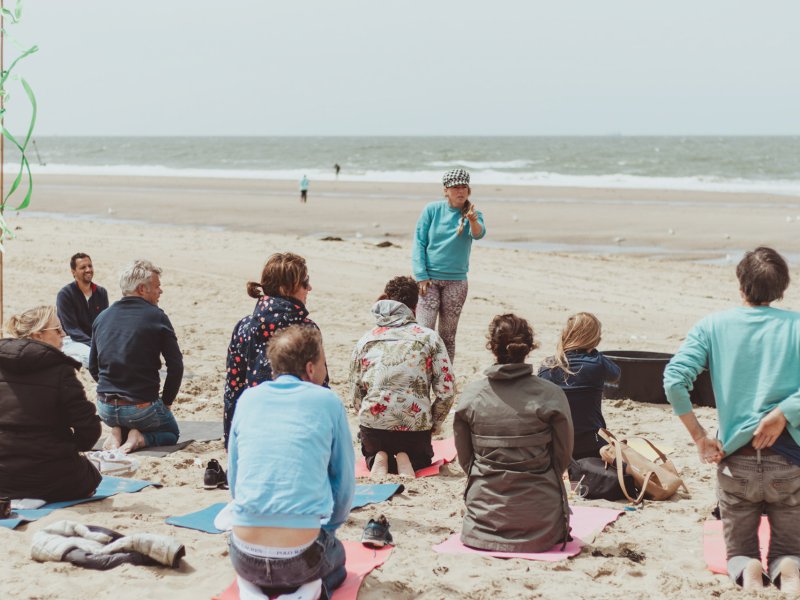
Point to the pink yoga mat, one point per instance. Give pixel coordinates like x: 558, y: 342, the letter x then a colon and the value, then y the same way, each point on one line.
x: 444, y: 451
x: 714, y: 550
x: 360, y: 561
x: 586, y: 522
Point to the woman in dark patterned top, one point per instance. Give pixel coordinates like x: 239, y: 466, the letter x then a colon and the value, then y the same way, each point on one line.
x: 281, y: 301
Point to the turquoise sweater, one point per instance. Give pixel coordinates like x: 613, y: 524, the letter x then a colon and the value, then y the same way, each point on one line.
x: 754, y: 358
x: 439, y: 253
x: 290, y: 457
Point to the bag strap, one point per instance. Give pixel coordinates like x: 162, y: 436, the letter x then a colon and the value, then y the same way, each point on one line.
x: 621, y: 474
x: 663, y: 457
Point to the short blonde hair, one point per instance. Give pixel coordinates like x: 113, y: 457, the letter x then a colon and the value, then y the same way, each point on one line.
x: 292, y: 348
x: 33, y: 320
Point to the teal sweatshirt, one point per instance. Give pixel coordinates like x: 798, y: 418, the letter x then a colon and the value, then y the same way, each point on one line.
x: 290, y: 457
x: 439, y: 252
x: 753, y: 354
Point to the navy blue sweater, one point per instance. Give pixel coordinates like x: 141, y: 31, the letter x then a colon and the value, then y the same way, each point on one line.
x: 77, y: 314
x: 128, y: 340
x: 584, y: 389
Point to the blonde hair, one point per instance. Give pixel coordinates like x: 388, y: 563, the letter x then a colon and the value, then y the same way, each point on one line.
x: 582, y: 332
x: 33, y: 320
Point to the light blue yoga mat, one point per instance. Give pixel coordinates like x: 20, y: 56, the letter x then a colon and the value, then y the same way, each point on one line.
x: 109, y: 486
x: 203, y: 520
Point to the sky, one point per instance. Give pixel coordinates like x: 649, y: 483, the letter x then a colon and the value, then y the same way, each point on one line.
x: 421, y: 67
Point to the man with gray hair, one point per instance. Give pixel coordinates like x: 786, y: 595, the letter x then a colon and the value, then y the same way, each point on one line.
x: 128, y: 340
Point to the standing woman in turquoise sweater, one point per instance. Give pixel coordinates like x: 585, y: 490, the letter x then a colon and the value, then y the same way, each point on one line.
x: 440, y: 260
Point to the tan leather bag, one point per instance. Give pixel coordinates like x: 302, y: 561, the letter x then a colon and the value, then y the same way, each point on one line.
x: 657, y: 480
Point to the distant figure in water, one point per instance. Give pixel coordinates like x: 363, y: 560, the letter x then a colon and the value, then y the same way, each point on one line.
x: 337, y: 168
x: 304, y: 189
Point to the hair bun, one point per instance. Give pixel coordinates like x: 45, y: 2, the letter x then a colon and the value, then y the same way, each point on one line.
x: 254, y: 290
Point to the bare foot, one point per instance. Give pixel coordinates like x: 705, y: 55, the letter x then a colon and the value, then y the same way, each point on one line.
x: 114, y: 439
x: 752, y: 576
x: 404, y: 468
x: 790, y: 578
x: 134, y: 442
x: 380, y: 468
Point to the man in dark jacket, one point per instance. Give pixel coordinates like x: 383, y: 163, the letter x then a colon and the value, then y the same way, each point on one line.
x: 128, y: 340
x: 78, y: 304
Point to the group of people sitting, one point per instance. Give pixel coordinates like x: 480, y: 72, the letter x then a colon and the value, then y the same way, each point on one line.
x: 290, y: 450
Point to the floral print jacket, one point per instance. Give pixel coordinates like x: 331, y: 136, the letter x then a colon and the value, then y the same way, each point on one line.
x: 247, y: 364
x: 395, y: 367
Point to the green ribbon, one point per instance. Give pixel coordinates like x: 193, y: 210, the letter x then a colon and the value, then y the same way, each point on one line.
x: 24, y: 167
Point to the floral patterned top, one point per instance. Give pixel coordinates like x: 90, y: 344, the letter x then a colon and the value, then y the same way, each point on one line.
x: 247, y: 364
x: 393, y: 370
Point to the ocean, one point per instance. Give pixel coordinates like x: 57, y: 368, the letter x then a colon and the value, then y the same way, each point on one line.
x: 726, y: 164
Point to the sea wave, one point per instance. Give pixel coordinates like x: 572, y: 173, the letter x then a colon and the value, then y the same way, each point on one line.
x: 479, y: 177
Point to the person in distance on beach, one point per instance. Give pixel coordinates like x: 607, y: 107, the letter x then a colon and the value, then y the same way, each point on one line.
x: 79, y: 303
x: 304, y: 189
x: 45, y: 418
x: 394, y: 368
x: 280, y: 301
x: 440, y: 258
x: 291, y: 468
x: 513, y: 433
x: 128, y: 340
x: 581, y: 371
x: 752, y: 352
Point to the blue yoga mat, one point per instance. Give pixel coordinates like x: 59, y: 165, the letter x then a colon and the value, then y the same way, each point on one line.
x: 109, y: 486
x: 203, y: 520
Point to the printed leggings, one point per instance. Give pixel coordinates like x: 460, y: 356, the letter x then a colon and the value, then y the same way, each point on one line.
x: 443, y: 299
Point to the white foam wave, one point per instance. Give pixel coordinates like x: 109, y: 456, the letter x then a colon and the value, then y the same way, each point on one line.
x: 472, y: 164
x: 479, y: 177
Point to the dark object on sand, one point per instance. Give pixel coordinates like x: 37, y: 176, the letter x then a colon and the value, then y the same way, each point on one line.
x: 642, y: 379
x: 331, y: 238
x: 386, y: 244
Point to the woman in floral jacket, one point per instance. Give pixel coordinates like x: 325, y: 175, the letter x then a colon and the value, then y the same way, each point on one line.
x: 395, y: 367
x: 281, y: 301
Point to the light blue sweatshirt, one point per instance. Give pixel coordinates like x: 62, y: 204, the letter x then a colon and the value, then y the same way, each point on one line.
x: 753, y: 354
x: 439, y: 252
x: 290, y: 457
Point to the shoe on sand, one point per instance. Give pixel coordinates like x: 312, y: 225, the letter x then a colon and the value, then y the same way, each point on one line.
x: 753, y: 576
x: 790, y: 577
x: 376, y: 533
x: 113, y: 462
x: 214, y: 476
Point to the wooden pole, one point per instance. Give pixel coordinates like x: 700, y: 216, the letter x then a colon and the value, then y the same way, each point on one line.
x: 2, y: 162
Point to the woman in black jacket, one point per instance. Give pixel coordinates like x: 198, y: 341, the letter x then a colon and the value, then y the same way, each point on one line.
x: 45, y: 418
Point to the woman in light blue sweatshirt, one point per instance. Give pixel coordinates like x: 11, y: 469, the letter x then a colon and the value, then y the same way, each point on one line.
x: 292, y: 473
x: 440, y: 259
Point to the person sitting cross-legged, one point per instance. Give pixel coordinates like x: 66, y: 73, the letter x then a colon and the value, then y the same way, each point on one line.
x: 291, y: 471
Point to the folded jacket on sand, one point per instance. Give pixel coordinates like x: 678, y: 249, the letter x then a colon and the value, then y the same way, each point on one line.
x: 99, y: 548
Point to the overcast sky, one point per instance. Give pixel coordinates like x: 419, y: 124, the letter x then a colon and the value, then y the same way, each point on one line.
x: 420, y: 67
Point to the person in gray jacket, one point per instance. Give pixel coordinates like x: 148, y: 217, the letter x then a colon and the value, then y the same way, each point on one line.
x: 513, y: 433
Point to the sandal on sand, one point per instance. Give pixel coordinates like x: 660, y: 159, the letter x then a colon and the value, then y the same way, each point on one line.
x: 113, y: 462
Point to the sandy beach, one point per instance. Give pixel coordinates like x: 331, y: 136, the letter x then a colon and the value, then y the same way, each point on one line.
x: 210, y: 236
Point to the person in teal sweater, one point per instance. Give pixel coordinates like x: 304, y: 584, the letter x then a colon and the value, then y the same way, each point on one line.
x: 440, y: 259
x: 753, y: 355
